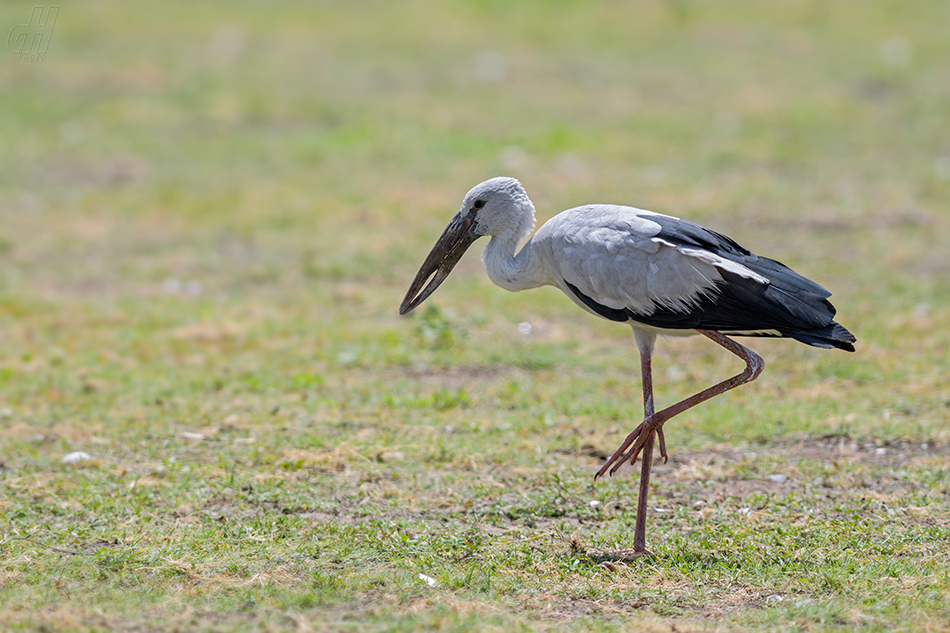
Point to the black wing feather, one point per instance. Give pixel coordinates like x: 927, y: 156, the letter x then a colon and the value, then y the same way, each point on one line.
x: 790, y: 304
x: 685, y: 233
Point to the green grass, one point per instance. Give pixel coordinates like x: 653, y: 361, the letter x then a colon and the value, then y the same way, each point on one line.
x: 208, y: 217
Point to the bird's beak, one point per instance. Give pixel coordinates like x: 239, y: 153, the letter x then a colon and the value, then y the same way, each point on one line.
x: 443, y: 257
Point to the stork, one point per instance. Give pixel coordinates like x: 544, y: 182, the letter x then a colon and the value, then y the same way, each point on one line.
x: 657, y: 273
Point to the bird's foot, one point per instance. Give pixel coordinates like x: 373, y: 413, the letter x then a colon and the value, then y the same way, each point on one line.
x: 633, y: 445
x: 617, y: 555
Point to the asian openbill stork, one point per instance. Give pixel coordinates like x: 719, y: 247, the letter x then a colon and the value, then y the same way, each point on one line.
x: 660, y: 274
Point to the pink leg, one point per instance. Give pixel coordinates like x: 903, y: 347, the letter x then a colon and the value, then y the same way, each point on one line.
x: 654, y: 424
x: 645, y: 345
x: 640, y: 533
x: 643, y: 436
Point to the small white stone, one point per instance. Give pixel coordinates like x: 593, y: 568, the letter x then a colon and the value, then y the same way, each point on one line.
x: 779, y: 478
x: 429, y: 580
x: 347, y: 358
x: 774, y: 598
x: 594, y: 503
x: 880, y: 451
x: 76, y: 457
x: 524, y: 328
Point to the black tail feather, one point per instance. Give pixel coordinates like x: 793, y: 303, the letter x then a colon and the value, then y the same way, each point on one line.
x: 831, y: 336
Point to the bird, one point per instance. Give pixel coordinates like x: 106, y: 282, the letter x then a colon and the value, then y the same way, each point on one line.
x: 661, y: 275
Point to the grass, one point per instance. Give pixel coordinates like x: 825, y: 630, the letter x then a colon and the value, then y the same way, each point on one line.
x: 209, y: 216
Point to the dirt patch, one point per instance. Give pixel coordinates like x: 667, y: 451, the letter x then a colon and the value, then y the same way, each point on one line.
x: 721, y: 479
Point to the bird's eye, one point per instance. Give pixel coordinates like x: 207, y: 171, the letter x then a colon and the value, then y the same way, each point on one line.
x: 479, y: 204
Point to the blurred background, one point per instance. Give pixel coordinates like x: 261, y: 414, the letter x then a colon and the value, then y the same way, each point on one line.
x: 201, y: 185
x: 255, y: 166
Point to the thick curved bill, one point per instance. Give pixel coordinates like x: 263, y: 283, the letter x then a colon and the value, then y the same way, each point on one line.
x: 443, y: 257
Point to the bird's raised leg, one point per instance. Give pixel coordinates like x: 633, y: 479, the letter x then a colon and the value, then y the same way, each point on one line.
x: 642, y: 436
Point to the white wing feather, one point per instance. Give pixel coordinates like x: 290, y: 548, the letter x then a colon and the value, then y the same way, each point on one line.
x: 612, y: 255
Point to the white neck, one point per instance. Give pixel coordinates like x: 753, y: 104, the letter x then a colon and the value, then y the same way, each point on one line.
x: 513, y: 272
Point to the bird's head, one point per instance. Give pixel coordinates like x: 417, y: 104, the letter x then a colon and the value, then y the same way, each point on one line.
x: 498, y: 207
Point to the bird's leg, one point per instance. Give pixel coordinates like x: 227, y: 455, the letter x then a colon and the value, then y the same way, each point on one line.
x: 640, y: 532
x: 641, y: 436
